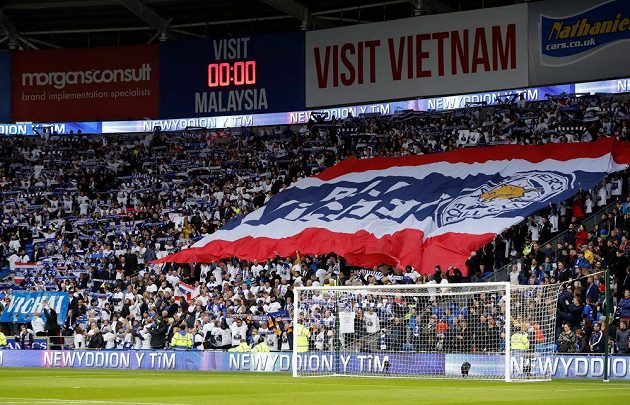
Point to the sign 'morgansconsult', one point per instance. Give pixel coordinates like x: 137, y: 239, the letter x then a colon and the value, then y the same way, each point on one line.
x: 86, y: 84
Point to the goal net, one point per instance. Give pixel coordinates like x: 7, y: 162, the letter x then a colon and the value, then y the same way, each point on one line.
x: 476, y: 330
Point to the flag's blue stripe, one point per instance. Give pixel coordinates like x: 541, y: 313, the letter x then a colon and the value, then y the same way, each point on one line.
x: 446, y: 199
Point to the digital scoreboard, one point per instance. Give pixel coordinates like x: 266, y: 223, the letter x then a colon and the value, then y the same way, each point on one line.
x: 245, y: 75
x: 227, y: 74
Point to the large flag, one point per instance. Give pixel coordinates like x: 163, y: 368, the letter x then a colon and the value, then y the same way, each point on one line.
x: 415, y: 210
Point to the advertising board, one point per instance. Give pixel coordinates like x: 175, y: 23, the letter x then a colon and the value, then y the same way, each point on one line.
x: 480, y: 50
x: 578, y: 40
x: 302, y: 116
x: 59, y: 85
x: 401, y: 364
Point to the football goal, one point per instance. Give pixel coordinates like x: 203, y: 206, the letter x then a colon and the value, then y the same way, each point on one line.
x: 475, y: 331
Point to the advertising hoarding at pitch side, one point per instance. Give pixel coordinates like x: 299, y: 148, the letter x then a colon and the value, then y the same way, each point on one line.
x: 396, y: 364
x: 86, y: 84
x: 231, y: 76
x: 578, y: 40
x: 472, y: 51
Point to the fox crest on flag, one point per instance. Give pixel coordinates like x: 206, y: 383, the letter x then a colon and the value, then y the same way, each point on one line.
x: 413, y: 210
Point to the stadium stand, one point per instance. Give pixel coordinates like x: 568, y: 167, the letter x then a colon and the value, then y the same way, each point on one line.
x: 87, y: 213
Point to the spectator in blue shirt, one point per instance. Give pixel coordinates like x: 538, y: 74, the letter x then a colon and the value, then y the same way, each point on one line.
x: 581, y: 263
x: 591, y: 291
x: 588, y: 311
x: 596, y: 342
x: 624, y: 306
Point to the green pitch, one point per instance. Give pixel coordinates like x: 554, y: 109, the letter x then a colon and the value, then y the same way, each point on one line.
x: 71, y: 386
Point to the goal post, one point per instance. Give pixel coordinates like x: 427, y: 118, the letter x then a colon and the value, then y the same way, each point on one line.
x: 491, y: 331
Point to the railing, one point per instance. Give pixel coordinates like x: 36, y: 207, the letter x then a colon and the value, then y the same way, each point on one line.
x: 67, y: 343
x: 38, y: 343
x: 589, y: 223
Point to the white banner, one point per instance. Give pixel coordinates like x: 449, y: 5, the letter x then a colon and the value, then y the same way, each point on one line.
x: 453, y: 53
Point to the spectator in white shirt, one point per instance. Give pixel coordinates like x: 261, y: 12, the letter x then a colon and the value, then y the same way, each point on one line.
x: 256, y: 268
x: 110, y: 338
x: 588, y: 205
x: 372, y: 323
x: 14, y: 244
x: 274, y: 306
x: 617, y: 184
x: 601, y: 195
x: 14, y: 258
x: 152, y: 288
x: 38, y: 325
x: 119, y: 300
x: 239, y: 331
x: 79, y: 338
x: 145, y: 338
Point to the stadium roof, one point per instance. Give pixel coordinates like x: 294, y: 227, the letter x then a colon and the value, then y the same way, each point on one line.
x: 38, y: 24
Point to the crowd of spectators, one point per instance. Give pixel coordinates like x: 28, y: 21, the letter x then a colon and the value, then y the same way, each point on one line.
x: 87, y: 213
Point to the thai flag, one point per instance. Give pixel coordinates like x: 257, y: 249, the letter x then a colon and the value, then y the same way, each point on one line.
x: 415, y: 210
x: 22, y: 270
x: 188, y: 291
x: 25, y: 268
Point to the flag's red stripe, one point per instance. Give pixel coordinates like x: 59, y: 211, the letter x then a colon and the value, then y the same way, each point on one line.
x: 359, y: 249
x: 620, y: 150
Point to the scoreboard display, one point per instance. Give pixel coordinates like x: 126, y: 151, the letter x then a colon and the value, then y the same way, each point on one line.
x: 225, y: 76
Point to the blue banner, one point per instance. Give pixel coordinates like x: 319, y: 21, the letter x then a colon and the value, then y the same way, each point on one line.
x: 594, y: 28
x: 24, y: 305
x: 5, y: 87
x: 29, y: 128
x: 231, y: 76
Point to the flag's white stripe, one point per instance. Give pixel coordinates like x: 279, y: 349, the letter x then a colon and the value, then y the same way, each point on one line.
x: 282, y: 228
x: 505, y: 168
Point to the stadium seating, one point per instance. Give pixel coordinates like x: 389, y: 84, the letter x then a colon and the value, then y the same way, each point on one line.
x: 87, y: 213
